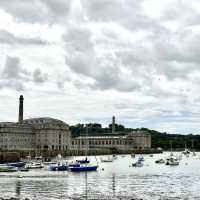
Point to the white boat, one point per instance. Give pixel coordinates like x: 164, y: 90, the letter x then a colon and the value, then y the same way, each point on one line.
x: 34, y: 165
x: 107, y: 159
x: 141, y: 158
x: 138, y: 164
x: 186, y: 152
x: 172, y: 161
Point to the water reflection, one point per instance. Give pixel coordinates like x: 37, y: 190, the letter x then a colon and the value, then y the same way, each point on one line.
x: 86, y: 186
x: 113, y: 184
x: 18, y: 188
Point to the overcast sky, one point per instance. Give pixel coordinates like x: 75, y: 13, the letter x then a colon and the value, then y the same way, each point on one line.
x: 86, y: 60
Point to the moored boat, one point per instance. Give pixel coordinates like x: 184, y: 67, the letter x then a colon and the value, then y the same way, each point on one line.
x: 17, y: 164
x: 138, y: 164
x: 172, y: 161
x: 83, y: 168
x: 34, y: 165
x: 58, y: 167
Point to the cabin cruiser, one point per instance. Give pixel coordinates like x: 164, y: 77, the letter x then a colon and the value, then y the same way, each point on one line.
x: 172, y: 161
x: 59, y: 167
x: 34, y: 165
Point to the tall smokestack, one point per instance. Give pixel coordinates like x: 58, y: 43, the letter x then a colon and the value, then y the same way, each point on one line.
x: 113, y: 124
x: 21, y: 108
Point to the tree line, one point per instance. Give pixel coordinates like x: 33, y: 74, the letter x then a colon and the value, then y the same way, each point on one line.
x: 158, y: 139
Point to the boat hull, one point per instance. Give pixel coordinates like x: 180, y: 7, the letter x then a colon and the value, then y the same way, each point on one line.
x: 17, y: 164
x: 59, y: 168
x: 83, y: 168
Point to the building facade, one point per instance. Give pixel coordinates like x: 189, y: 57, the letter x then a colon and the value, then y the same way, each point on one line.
x: 134, y: 140
x: 34, y: 134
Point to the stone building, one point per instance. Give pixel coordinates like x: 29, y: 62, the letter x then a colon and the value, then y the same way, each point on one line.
x: 34, y: 134
x: 135, y: 140
x: 132, y: 141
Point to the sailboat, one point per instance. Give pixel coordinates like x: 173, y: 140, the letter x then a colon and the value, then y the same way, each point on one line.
x: 186, y: 152
x: 83, y: 167
x: 193, y: 152
x: 172, y: 160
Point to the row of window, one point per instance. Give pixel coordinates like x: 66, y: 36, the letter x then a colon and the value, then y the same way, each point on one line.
x: 53, y: 147
x: 101, y: 142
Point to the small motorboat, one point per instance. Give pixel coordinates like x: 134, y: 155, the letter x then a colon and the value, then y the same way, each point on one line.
x: 17, y: 164
x: 160, y: 161
x: 138, y: 164
x: 58, y: 167
x: 172, y: 161
x: 141, y: 158
x: 34, y: 165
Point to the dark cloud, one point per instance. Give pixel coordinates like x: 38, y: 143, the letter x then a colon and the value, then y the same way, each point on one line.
x: 37, y: 11
x: 13, y: 69
x: 16, y: 77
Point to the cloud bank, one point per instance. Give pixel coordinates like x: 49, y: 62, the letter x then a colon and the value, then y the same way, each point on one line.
x: 136, y: 59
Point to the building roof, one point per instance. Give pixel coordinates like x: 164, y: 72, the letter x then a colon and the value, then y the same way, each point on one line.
x: 46, y: 122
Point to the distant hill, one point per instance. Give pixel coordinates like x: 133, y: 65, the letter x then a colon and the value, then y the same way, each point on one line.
x: 158, y: 139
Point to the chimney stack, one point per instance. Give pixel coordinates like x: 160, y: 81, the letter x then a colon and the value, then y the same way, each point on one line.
x: 21, y: 108
x: 113, y: 125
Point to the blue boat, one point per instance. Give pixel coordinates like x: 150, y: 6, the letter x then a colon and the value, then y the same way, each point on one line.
x: 17, y: 164
x: 83, y: 168
x: 58, y: 167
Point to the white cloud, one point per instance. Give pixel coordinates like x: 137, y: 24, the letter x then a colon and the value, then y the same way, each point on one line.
x: 136, y: 59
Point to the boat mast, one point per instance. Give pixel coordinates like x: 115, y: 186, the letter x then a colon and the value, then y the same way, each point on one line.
x: 86, y: 149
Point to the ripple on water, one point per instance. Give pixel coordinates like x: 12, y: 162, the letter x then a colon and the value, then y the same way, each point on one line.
x: 117, y: 181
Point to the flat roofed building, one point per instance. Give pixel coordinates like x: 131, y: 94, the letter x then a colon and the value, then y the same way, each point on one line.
x: 131, y: 141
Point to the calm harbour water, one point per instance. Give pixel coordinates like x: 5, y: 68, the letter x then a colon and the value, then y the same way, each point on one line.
x: 117, y: 181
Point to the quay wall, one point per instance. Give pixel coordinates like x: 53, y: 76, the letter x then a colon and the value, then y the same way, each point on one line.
x: 13, y: 156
